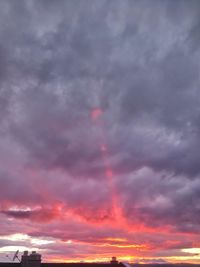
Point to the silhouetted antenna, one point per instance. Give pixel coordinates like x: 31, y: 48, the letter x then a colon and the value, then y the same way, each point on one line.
x: 16, y: 256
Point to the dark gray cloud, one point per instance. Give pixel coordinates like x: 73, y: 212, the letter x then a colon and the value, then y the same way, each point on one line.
x: 100, y: 100
x: 161, y: 201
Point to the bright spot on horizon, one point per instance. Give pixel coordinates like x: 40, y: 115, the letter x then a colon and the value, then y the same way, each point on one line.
x: 191, y: 250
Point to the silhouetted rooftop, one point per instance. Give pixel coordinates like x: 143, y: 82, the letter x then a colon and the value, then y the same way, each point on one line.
x: 85, y: 264
x: 10, y: 264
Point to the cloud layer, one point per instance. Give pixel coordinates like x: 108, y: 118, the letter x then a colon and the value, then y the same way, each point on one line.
x: 99, y: 129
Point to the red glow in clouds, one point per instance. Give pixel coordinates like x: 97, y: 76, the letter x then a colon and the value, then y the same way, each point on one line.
x: 96, y: 113
x: 116, y: 207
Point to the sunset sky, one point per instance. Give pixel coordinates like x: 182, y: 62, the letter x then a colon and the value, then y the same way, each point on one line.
x: 100, y: 129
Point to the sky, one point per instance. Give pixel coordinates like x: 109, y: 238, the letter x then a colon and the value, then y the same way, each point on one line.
x: 100, y: 129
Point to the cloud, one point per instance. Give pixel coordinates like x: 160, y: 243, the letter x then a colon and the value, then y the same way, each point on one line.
x: 38, y: 215
x: 99, y: 114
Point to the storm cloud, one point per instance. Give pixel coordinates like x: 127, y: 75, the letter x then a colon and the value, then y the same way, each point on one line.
x: 100, y: 126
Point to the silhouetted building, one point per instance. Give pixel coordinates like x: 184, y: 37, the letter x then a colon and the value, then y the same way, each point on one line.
x: 114, y: 260
x: 34, y: 260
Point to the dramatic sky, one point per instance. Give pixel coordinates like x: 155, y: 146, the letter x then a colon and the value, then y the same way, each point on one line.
x: 100, y: 129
